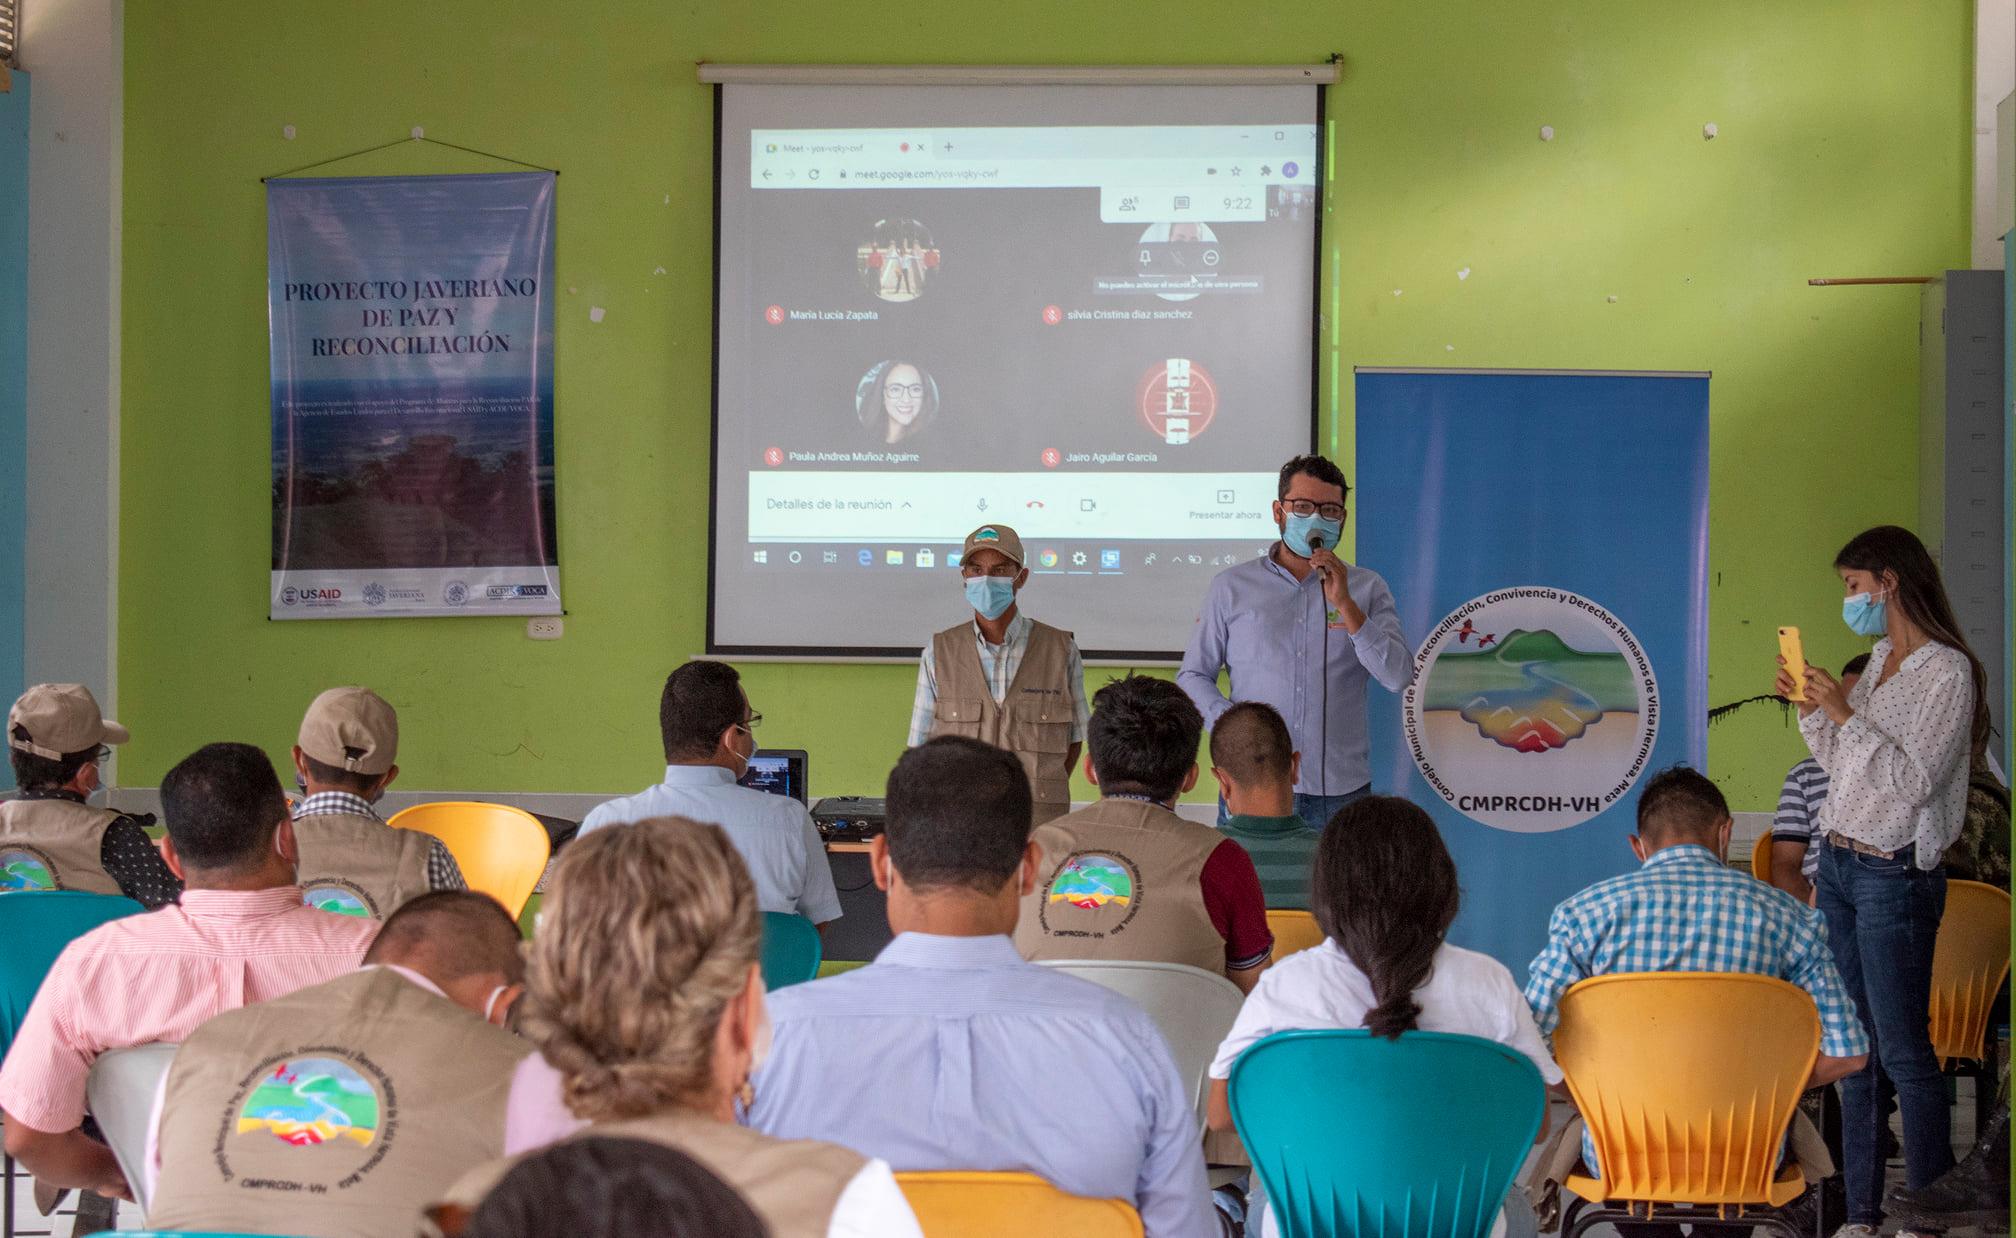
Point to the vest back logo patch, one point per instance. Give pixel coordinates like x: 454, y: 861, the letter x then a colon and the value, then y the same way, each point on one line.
x: 1101, y: 883
x: 25, y: 870
x: 339, y: 897
x: 307, y: 1101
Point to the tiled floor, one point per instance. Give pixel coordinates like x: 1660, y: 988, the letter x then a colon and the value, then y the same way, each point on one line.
x: 129, y: 1216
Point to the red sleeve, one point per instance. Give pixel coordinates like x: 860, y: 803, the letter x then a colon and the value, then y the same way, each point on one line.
x: 1238, y: 910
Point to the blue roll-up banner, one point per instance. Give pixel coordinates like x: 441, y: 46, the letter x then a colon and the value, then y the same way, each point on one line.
x: 412, y: 340
x: 1546, y: 538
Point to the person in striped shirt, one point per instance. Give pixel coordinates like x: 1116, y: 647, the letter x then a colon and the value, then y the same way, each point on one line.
x: 1795, y: 851
x: 1255, y: 762
x: 240, y: 935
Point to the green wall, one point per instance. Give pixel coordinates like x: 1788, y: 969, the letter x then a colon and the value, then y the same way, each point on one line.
x: 1628, y: 242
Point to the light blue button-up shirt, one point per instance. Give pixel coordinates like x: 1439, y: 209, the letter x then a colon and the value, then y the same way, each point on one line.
x: 1268, y: 628
x: 773, y: 833
x: 955, y: 1053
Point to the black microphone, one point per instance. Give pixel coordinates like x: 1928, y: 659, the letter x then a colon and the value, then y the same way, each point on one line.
x: 1323, y: 757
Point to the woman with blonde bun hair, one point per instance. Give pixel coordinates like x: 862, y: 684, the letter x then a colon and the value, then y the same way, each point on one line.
x: 645, y: 995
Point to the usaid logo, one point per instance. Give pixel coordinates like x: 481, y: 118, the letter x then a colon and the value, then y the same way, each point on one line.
x: 291, y: 596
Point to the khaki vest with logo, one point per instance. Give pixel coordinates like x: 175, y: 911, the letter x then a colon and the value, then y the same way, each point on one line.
x: 355, y: 865
x: 1121, y: 879
x: 54, y: 844
x: 793, y: 1184
x: 1033, y: 720
x: 341, y: 1109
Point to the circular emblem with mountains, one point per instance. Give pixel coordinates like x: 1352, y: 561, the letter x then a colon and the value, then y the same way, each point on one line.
x: 307, y: 1101
x: 24, y: 870
x: 338, y: 897
x: 1532, y: 709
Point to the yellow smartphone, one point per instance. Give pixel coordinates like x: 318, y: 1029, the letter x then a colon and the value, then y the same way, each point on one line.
x: 1794, y: 654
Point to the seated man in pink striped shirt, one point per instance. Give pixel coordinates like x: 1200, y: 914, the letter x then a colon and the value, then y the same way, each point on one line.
x: 241, y: 934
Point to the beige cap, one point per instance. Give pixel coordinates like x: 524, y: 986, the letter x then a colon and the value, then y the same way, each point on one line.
x: 60, y: 718
x: 994, y: 537
x: 351, y: 729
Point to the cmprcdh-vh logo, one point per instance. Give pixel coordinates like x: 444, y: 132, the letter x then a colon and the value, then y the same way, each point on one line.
x: 1532, y: 709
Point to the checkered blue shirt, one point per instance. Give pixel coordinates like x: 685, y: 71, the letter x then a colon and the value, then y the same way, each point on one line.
x: 1684, y: 910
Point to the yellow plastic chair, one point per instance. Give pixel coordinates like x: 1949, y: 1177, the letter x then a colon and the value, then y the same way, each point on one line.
x: 1970, y: 960
x: 959, y: 1204
x: 500, y: 849
x: 1688, y: 1081
x: 1293, y: 931
x: 1760, y: 857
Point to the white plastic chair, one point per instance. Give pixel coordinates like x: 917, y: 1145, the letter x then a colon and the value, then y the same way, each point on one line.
x: 120, y: 1091
x: 1193, y: 1008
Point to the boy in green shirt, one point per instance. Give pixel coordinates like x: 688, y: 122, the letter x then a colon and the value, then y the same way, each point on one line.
x: 1255, y: 762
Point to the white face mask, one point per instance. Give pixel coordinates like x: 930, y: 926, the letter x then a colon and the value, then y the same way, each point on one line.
x: 490, y: 1002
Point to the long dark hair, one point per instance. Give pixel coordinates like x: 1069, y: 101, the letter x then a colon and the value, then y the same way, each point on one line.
x: 1922, y: 594
x: 1385, y: 891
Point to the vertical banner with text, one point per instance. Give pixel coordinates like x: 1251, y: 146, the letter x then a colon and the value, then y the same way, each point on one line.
x: 412, y: 341
x: 1546, y: 537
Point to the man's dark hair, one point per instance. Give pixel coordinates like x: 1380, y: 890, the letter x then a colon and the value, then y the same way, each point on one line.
x: 1143, y: 736
x: 701, y: 700
x: 450, y: 934
x: 613, y: 1188
x: 33, y: 773
x: 1318, y: 467
x: 354, y: 781
x: 222, y: 803
x: 1855, y: 665
x: 958, y: 815
x: 1251, y: 742
x: 1680, y: 803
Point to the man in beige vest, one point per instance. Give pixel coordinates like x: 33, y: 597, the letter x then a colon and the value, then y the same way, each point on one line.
x: 352, y: 863
x: 1005, y: 678
x: 51, y: 838
x: 340, y: 1110
x: 1127, y: 878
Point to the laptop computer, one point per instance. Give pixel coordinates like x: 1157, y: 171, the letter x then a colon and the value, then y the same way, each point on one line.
x: 779, y: 771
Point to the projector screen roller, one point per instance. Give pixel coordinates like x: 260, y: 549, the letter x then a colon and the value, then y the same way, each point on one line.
x: 1086, y: 312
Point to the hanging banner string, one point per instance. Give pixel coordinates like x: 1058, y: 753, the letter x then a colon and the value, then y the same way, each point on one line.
x: 418, y: 137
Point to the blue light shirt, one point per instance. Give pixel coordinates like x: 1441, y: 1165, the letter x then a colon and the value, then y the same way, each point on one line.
x: 955, y: 1053
x: 773, y: 834
x: 1268, y: 629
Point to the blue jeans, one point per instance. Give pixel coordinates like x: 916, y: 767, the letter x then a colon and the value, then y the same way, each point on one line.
x: 1882, y: 919
x: 1315, y: 810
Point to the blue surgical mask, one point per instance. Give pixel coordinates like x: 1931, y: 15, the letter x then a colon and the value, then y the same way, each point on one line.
x: 990, y: 596
x: 1863, y: 616
x: 1298, y: 529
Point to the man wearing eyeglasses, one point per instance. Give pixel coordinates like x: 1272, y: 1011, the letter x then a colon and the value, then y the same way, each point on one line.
x: 50, y: 837
x: 1303, y: 631
x: 1004, y: 678
x: 710, y: 735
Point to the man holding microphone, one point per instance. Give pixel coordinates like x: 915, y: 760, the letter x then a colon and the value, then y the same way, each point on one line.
x: 1302, y: 630
x: 1003, y: 677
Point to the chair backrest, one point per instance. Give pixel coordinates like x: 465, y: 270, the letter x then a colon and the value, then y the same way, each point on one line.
x: 501, y: 850
x: 1760, y: 857
x: 1192, y: 1008
x: 1687, y: 1079
x: 1293, y: 931
x: 35, y: 928
x: 1358, y: 1136
x: 791, y: 950
x: 959, y: 1204
x: 121, y: 1089
x: 1970, y: 958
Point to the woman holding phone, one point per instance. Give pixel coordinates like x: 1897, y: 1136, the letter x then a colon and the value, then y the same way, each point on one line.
x: 1897, y: 749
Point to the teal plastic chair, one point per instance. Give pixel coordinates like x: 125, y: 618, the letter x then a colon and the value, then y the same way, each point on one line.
x: 1357, y: 1136
x: 36, y: 926
x: 791, y: 950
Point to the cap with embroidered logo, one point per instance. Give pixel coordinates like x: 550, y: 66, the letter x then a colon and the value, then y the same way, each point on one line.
x: 351, y: 729
x: 993, y: 537
x: 54, y: 720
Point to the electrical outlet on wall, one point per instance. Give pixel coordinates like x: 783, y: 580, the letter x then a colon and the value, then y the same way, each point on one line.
x: 545, y: 627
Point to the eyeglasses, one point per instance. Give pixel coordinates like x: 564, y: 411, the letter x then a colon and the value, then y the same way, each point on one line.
x: 1303, y: 507
x: 755, y: 720
x: 913, y: 391
x: 101, y: 756
x: 1004, y: 571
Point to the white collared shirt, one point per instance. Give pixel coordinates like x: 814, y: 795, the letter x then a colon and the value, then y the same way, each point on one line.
x: 1897, y: 770
x: 773, y: 833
